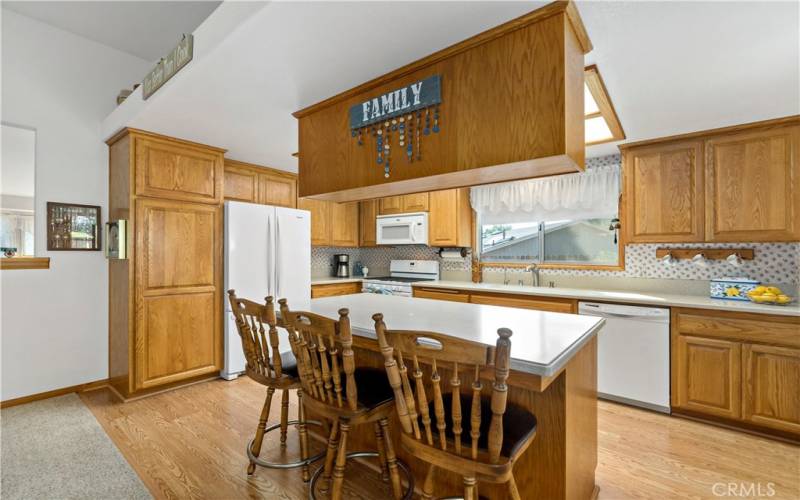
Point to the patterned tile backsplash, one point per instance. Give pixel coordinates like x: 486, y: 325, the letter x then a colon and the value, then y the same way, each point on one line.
x: 773, y: 262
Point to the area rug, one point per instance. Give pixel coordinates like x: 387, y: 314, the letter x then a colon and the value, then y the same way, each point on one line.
x: 56, y: 449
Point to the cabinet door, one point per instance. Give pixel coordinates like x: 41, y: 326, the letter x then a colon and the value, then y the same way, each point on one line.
x: 753, y: 186
x: 320, y: 220
x: 177, y: 171
x: 241, y: 184
x: 333, y: 290
x: 278, y: 190
x: 450, y: 218
x: 368, y: 210
x: 344, y: 224
x: 417, y: 202
x: 707, y: 376
x: 664, y: 193
x: 772, y: 386
x: 391, y: 205
x: 178, y: 285
x: 551, y: 305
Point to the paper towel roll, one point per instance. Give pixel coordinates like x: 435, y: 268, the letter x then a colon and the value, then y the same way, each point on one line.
x: 453, y: 253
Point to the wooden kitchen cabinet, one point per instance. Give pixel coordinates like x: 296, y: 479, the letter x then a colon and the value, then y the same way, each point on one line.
x: 739, y: 183
x: 739, y: 368
x: 332, y: 224
x: 707, y: 376
x: 165, y: 299
x: 441, y: 294
x: 772, y: 386
x: 335, y: 289
x: 450, y: 218
x: 177, y: 171
x: 368, y: 211
x: 256, y: 184
x: 753, y: 186
x: 344, y: 224
x: 417, y: 202
x: 664, y: 186
x: 567, y: 306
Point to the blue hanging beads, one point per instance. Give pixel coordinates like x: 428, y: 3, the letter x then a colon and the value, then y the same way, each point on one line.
x: 410, y: 138
x: 436, y: 120
x: 379, y: 145
x: 427, y: 121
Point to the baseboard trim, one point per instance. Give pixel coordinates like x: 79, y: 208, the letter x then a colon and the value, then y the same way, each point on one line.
x: 89, y: 386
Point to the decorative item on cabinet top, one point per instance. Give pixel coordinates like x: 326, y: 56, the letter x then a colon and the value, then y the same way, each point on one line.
x: 116, y: 246
x: 168, y: 66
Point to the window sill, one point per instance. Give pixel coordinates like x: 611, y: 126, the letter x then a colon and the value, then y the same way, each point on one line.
x: 24, y: 263
x: 586, y: 267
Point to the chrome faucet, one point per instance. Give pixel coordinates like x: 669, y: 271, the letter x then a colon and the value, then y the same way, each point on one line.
x: 534, y: 270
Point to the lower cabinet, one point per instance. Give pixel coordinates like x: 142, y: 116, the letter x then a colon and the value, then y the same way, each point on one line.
x: 743, y: 369
x: 334, y: 289
x: 506, y: 300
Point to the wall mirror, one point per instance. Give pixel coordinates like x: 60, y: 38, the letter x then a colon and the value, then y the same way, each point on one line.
x: 17, y: 205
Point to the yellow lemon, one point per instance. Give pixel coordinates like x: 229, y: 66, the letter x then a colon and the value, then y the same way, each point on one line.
x: 783, y: 299
x: 768, y: 297
x: 774, y: 290
x: 759, y: 290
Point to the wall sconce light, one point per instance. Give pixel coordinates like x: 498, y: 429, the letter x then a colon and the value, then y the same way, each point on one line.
x: 700, y: 260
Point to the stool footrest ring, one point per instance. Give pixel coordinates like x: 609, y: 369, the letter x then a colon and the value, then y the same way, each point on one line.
x: 362, y: 454
x: 280, y: 465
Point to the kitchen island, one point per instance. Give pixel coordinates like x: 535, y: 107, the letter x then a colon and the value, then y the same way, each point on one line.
x: 553, y: 375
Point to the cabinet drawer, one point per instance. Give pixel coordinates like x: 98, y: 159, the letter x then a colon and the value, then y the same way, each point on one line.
x: 744, y: 327
x: 441, y: 294
x: 334, y: 289
x: 537, y: 303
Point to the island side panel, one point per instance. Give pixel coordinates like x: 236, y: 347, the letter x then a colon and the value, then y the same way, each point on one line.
x: 549, y: 466
x: 581, y: 422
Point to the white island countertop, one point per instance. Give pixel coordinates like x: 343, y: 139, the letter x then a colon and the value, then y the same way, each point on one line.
x: 624, y: 297
x: 542, y: 342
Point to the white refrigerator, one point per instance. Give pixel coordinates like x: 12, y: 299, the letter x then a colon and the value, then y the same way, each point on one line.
x: 267, y: 252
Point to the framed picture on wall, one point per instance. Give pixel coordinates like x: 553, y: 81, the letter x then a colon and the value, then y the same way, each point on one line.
x: 73, y: 227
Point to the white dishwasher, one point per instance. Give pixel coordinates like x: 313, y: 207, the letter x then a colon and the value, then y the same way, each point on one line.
x: 633, y: 354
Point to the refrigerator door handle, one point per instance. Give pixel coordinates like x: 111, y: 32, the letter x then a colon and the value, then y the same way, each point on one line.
x: 277, y: 257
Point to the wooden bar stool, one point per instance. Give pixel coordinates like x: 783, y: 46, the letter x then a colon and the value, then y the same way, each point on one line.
x: 345, y: 394
x: 267, y: 365
x: 498, y: 432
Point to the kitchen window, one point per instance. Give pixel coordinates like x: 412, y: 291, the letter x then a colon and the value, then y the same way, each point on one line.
x: 591, y: 242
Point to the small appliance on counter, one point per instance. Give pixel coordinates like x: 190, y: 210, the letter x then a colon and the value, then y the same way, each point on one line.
x: 342, y: 263
x: 732, y: 288
x: 401, y: 274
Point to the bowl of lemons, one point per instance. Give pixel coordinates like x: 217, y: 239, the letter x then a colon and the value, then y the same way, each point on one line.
x: 771, y: 295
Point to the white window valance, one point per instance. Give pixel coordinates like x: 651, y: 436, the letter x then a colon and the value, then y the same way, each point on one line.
x: 586, y: 195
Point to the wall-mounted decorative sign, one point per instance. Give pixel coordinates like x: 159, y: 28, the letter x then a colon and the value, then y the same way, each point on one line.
x: 168, y: 66
x: 72, y: 227
x: 407, y: 112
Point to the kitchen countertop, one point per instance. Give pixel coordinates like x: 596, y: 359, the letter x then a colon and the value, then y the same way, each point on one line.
x: 331, y: 280
x: 542, y: 342
x: 632, y: 297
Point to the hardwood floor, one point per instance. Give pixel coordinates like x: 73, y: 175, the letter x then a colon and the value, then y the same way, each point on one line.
x: 189, y: 443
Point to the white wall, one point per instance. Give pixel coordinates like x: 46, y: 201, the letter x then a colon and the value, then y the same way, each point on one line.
x: 54, y: 322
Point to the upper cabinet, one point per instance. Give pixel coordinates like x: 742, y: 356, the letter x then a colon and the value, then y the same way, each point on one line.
x: 332, y: 224
x: 753, y: 186
x: 255, y: 184
x: 368, y: 211
x: 417, y: 202
x: 735, y: 184
x: 664, y: 187
x: 177, y: 170
x: 450, y: 218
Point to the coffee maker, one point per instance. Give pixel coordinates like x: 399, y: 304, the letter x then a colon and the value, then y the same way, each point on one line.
x: 342, y: 264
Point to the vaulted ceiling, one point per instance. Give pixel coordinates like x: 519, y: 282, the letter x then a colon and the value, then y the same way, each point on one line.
x: 669, y: 67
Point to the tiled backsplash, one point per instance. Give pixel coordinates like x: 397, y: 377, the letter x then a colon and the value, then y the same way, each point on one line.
x: 773, y: 262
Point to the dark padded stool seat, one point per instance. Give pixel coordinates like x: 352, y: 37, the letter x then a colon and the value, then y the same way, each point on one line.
x: 373, y: 387
x: 288, y: 364
x: 518, y: 424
